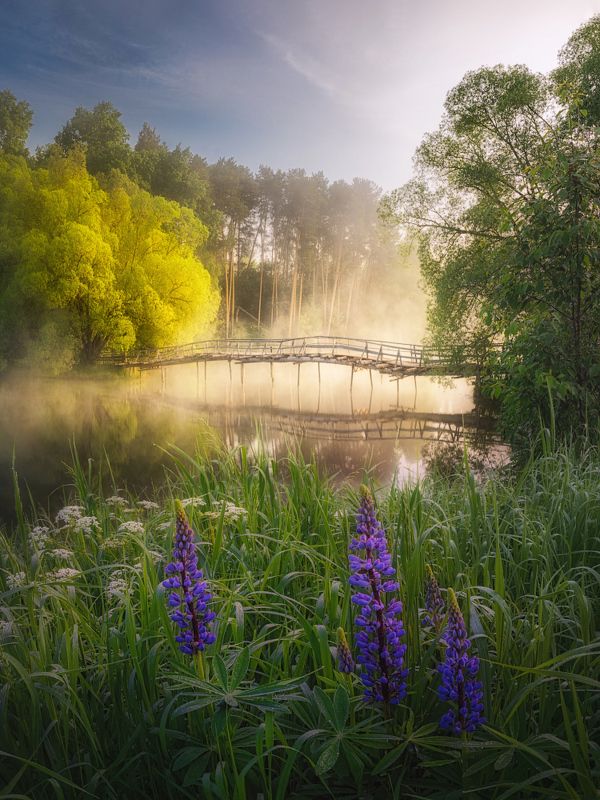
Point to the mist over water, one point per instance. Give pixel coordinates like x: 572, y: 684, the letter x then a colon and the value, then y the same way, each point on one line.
x: 131, y: 422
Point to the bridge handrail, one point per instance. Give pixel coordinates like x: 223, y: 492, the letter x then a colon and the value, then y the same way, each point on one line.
x: 382, y: 350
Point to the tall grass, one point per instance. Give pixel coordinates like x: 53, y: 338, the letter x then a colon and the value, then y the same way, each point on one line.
x: 96, y: 700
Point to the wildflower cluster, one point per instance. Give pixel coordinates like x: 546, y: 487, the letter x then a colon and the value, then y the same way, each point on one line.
x: 63, y: 575
x: 380, y: 630
x: 434, y: 603
x: 117, y: 500
x: 38, y: 536
x: 62, y: 553
x: 381, y: 653
x: 16, y: 580
x: 86, y: 525
x: 344, y: 655
x: 148, y: 505
x: 131, y: 526
x: 189, y: 595
x: 458, y: 673
x: 118, y: 585
x: 68, y: 515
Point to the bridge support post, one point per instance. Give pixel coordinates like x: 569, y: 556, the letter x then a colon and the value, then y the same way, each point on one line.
x: 205, y: 382
x: 319, y: 391
x: 243, y: 385
x: 197, y: 380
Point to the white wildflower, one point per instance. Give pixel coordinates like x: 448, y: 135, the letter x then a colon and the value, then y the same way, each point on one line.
x: 112, y: 542
x: 86, y: 525
x: 234, y: 511
x: 193, y: 501
x: 68, y: 514
x: 231, y: 511
x: 132, y: 526
x: 5, y: 629
x: 61, y: 553
x: 38, y: 536
x: 63, y: 574
x: 15, y: 580
x: 116, y: 588
x: 116, y: 500
x: 148, y: 505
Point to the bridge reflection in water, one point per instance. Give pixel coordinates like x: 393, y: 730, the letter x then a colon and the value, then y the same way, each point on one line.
x: 392, y: 425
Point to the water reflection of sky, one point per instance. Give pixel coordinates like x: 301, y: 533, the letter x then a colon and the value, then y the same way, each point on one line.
x: 133, y: 421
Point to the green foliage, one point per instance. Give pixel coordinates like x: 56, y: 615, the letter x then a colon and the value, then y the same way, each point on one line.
x: 505, y: 204
x: 579, y: 68
x: 97, y: 699
x: 119, y: 263
x: 102, y: 135
x: 15, y: 122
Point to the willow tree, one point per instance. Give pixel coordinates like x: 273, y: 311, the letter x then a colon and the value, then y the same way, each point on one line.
x: 115, y: 262
x: 505, y: 204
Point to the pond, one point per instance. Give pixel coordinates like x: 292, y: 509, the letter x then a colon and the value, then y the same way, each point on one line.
x: 348, y: 424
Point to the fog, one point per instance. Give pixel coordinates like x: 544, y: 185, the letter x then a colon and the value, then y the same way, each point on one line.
x: 132, y: 421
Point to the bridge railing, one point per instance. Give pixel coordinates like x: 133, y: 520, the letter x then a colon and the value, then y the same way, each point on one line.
x: 357, y: 350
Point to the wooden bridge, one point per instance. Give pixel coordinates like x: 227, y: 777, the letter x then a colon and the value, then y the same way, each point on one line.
x: 396, y: 360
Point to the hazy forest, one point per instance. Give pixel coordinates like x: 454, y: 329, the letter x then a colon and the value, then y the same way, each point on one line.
x: 114, y: 246
x: 300, y: 477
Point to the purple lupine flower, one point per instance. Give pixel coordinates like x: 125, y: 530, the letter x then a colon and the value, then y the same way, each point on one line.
x: 380, y: 651
x: 344, y: 656
x: 458, y: 672
x: 189, y: 595
x: 434, y: 602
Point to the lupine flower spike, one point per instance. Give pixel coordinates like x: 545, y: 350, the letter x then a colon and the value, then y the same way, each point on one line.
x: 459, y: 686
x: 434, y: 603
x: 380, y: 651
x: 189, y: 595
x: 344, y: 656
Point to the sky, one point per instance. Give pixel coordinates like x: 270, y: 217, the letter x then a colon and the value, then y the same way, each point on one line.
x: 346, y: 87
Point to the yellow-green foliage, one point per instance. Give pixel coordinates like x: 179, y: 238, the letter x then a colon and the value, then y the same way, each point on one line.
x: 120, y: 263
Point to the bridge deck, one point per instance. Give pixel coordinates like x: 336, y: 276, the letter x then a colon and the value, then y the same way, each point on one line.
x: 393, y: 359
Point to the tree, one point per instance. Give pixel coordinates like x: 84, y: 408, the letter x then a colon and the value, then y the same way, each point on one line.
x: 117, y: 263
x: 15, y: 122
x: 103, y: 135
x: 579, y: 68
x: 506, y: 208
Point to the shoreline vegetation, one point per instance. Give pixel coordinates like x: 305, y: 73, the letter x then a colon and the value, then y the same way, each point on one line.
x: 98, y: 700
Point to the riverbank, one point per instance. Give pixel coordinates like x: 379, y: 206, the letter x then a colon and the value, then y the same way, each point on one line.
x: 98, y: 699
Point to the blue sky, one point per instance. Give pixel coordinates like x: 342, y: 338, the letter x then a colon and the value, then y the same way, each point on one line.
x: 341, y: 86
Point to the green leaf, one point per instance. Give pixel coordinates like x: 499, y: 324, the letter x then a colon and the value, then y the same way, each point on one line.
x: 325, y: 705
x: 240, y: 668
x: 328, y: 757
x: 220, y: 671
x: 341, y: 705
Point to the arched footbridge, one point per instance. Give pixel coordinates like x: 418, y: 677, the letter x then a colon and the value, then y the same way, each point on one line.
x: 389, y: 358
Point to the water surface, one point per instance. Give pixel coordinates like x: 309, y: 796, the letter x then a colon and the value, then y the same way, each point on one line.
x: 134, y: 420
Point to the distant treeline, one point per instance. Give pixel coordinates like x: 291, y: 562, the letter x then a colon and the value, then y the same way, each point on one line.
x: 112, y: 245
